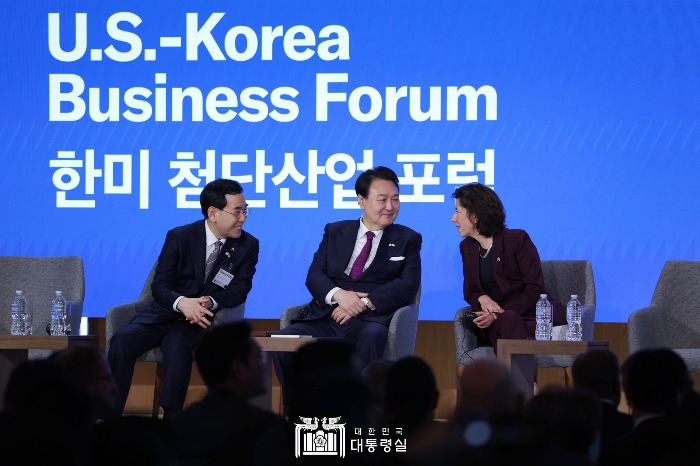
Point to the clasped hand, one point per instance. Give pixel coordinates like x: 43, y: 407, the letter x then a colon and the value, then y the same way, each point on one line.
x: 489, y: 312
x: 196, y: 310
x: 349, y: 305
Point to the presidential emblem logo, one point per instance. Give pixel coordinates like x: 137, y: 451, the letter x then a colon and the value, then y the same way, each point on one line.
x: 326, y: 439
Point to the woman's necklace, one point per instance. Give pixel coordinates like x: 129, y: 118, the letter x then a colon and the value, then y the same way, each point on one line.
x: 483, y: 256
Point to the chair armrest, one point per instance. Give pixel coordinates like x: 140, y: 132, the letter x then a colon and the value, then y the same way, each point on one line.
x: 117, y: 317
x: 465, y: 341
x: 646, y: 328
x: 588, y: 321
x: 76, y: 315
x: 228, y: 315
x: 289, y: 314
x: 401, y: 339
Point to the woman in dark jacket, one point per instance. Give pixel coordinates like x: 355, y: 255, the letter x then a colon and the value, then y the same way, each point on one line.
x: 503, y: 276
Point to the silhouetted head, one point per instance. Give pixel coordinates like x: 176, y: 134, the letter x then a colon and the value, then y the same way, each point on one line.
x: 487, y: 388
x: 654, y: 381
x: 228, y: 356
x: 598, y: 371
x: 411, y: 390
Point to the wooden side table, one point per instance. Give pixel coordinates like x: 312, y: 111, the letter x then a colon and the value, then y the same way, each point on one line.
x: 519, y: 357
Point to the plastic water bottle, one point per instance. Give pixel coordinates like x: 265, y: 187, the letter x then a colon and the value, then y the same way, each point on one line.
x: 543, y: 316
x: 573, y: 319
x: 19, y: 314
x: 58, y: 315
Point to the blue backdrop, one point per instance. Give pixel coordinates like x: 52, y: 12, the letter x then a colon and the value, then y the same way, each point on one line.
x: 582, y: 115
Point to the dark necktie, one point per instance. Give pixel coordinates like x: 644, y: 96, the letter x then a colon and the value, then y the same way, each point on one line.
x: 361, y: 260
x: 212, y: 259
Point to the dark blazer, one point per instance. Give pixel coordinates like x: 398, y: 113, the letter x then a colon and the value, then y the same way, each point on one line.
x: 180, y: 272
x: 392, y: 279
x: 657, y: 441
x: 517, y: 270
x: 614, y: 424
x: 222, y: 428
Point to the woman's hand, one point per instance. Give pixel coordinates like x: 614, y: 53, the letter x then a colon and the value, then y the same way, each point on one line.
x: 489, y: 305
x: 489, y: 312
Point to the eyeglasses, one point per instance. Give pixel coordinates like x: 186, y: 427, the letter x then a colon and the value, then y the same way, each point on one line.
x: 238, y: 212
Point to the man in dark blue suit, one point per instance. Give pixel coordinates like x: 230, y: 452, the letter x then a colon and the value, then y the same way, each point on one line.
x: 361, y: 273
x: 203, y: 267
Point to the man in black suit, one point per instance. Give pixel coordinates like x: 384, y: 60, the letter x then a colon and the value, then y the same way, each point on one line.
x: 204, y: 267
x: 598, y: 371
x: 224, y: 427
x: 654, y: 381
x: 361, y: 273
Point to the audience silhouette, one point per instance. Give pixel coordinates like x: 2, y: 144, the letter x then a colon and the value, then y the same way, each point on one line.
x: 46, y: 416
x: 87, y: 367
x: 655, y: 382
x: 326, y: 382
x: 598, y: 371
x: 224, y: 425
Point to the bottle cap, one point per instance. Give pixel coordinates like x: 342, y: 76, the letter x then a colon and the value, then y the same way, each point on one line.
x: 574, y: 296
x: 18, y: 291
x: 58, y: 293
x: 543, y: 295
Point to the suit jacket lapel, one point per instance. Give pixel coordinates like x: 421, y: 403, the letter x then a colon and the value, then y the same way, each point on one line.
x: 383, y: 250
x: 198, y: 250
x: 496, y: 255
x: 472, y: 249
x: 231, y: 246
x: 345, y: 245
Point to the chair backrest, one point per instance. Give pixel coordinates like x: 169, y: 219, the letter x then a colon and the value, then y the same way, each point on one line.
x: 677, y: 292
x: 120, y: 315
x: 401, y: 339
x: 39, y: 278
x: 678, y: 288
x: 562, y: 278
x: 146, y: 294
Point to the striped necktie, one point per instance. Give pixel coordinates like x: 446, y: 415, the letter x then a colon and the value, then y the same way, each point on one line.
x: 212, y: 259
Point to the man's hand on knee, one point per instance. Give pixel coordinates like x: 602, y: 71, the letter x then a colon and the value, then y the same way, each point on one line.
x: 341, y: 315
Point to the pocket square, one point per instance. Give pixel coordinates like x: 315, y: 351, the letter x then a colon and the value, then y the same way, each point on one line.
x: 397, y: 258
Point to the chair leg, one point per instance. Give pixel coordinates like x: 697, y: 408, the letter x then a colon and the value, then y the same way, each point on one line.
x: 568, y: 380
x: 157, y: 388
x: 460, y: 369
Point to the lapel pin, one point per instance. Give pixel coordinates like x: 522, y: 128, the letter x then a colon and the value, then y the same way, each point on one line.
x: 392, y: 245
x: 498, y: 259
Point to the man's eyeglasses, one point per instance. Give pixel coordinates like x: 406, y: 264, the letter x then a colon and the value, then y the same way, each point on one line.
x: 238, y: 212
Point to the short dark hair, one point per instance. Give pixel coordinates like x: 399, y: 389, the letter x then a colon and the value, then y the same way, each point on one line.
x: 597, y: 371
x: 484, y: 204
x: 654, y: 379
x: 81, y: 363
x: 365, y: 179
x: 219, y: 347
x: 410, y: 386
x: 564, y: 419
x: 214, y: 194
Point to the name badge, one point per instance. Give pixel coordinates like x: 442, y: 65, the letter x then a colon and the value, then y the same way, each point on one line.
x: 223, y: 278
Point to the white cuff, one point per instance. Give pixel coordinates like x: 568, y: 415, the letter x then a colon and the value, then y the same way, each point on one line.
x: 330, y: 295
x: 175, y: 304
